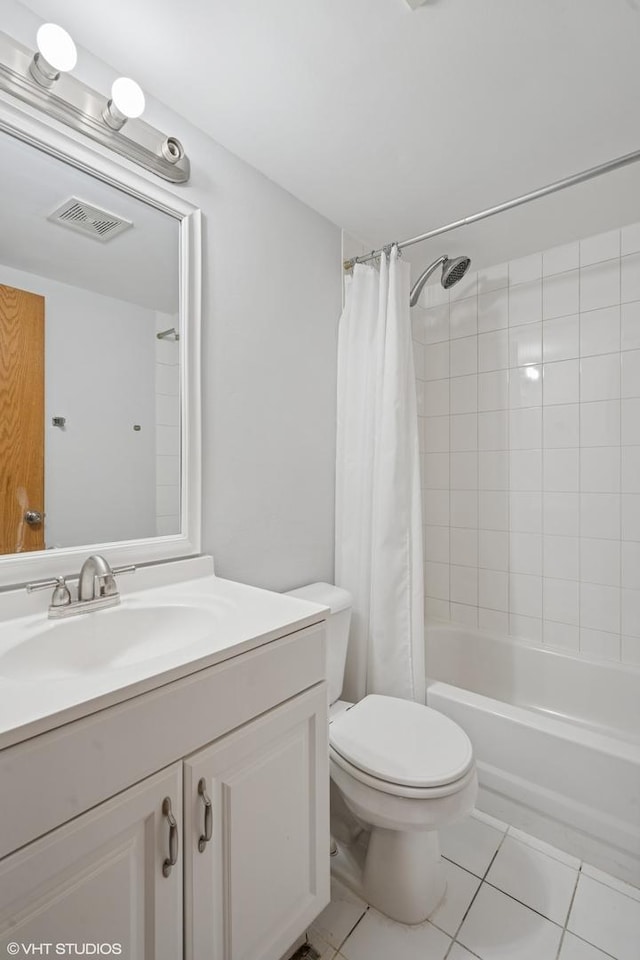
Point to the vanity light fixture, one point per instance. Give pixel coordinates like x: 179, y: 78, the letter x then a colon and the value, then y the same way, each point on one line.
x: 56, y: 54
x: 126, y: 103
x: 44, y: 82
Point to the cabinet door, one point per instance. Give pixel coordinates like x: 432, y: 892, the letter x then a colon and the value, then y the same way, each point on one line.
x: 264, y: 875
x: 99, y: 880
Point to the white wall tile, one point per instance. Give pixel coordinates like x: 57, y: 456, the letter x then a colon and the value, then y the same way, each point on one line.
x: 525, y: 344
x: 467, y: 287
x: 599, y: 644
x: 493, y: 311
x: 600, y: 515
x: 630, y: 325
x: 525, y: 269
x: 493, y: 550
x: 497, y: 623
x: 561, y: 338
x: 493, y: 510
x: 600, y: 423
x: 562, y: 636
x: 464, y: 394
x: 463, y: 318
x: 437, y: 580
x: 559, y: 259
x: 436, y: 398
x: 464, y: 547
x: 435, y: 471
x: 630, y: 562
x: 630, y: 278
x: 525, y: 428
x: 436, y: 361
x: 464, y: 614
x: 561, y: 473
x: 494, y: 278
x: 526, y: 512
x: 464, y: 508
x: 561, y: 426
x: 464, y: 431
x: 526, y: 553
x: 561, y: 601
x: 630, y: 601
x: 561, y: 382
x: 525, y: 595
x: 630, y: 421
x: 436, y: 507
x: 436, y: 544
x: 436, y: 609
x: 600, y: 331
x: 525, y: 303
x: 631, y: 469
x: 600, y: 378
x: 418, y: 359
x: 525, y: 386
x: 464, y: 584
x: 600, y: 608
x: 463, y: 358
x: 561, y: 513
x: 631, y: 239
x: 493, y: 430
x: 493, y: 470
x: 604, y: 246
x: 630, y: 650
x: 526, y: 628
x: 493, y: 590
x: 561, y: 557
x: 493, y: 351
x: 493, y: 390
x: 600, y: 470
x: 526, y: 470
x: 600, y: 285
x: 631, y: 516
x: 436, y: 434
x: 434, y: 326
x: 631, y: 373
x: 464, y: 471
x: 600, y: 562
x: 560, y: 294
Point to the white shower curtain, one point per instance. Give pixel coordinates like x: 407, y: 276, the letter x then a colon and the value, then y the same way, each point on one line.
x: 378, y: 508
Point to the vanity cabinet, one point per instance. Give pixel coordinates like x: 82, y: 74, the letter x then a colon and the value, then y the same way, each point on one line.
x: 99, y: 879
x: 241, y: 781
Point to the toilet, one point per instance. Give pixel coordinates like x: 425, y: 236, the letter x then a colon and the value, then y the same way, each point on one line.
x: 403, y: 771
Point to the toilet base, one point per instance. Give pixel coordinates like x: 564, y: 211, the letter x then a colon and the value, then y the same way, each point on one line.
x: 399, y: 873
x: 403, y: 874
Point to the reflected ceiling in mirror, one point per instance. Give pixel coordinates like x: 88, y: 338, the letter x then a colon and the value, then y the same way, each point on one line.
x: 89, y: 395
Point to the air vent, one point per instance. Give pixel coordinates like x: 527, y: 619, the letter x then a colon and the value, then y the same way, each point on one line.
x: 88, y: 220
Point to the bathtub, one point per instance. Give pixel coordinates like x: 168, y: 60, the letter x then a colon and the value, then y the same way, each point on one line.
x: 556, y: 738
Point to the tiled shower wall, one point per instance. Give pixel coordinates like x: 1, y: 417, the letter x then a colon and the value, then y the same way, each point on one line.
x: 528, y: 379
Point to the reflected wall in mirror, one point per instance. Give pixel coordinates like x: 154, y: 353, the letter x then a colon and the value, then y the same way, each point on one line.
x: 89, y: 394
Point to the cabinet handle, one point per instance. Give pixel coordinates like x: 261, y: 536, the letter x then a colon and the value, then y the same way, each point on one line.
x: 208, y: 816
x: 173, y: 838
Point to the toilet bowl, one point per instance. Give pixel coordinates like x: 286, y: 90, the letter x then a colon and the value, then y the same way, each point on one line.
x: 403, y: 770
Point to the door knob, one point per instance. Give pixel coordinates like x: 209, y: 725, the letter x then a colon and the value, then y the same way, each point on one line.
x: 33, y: 517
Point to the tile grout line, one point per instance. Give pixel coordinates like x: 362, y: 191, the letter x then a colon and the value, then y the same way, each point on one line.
x: 473, y: 899
x: 573, y: 896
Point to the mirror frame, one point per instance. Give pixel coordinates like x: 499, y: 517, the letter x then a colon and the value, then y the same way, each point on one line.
x: 45, y: 134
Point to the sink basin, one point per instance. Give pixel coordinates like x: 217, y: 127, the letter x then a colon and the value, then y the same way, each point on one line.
x: 105, y: 640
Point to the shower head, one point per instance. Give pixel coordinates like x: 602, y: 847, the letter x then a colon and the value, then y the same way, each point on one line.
x: 452, y: 271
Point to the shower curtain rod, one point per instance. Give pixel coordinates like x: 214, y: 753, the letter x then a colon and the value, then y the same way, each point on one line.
x: 572, y: 181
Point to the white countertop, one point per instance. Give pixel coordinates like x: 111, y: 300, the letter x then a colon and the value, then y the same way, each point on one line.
x: 242, y: 618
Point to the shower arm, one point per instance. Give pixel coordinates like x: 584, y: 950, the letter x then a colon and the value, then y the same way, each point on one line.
x: 416, y: 289
x: 554, y: 187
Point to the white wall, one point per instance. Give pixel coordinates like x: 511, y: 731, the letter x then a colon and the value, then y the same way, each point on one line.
x: 272, y: 286
x: 529, y: 395
x: 100, y: 376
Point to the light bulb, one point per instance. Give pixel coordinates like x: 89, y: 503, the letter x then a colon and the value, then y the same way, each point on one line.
x: 127, y: 97
x: 56, y: 54
x: 126, y: 103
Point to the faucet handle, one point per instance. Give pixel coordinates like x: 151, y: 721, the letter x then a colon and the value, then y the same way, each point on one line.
x: 130, y: 568
x: 61, y: 595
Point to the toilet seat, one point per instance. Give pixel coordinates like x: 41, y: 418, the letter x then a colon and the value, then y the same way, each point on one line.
x: 401, y: 747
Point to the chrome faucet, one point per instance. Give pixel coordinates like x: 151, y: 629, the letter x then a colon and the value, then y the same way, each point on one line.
x: 97, y: 589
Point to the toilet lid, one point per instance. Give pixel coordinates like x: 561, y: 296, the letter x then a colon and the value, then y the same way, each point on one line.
x: 402, y: 742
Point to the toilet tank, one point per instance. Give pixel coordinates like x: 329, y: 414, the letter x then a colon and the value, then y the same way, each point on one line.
x: 339, y: 602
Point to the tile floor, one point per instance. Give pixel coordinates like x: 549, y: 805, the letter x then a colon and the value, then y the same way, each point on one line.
x: 509, y: 897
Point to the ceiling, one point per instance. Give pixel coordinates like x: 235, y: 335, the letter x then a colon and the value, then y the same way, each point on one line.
x: 391, y: 121
x: 139, y: 266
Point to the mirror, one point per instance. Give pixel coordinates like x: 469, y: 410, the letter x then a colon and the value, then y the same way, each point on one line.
x: 94, y: 283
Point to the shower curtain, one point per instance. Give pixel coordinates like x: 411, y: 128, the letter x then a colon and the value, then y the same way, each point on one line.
x: 378, y: 508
